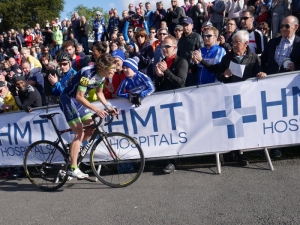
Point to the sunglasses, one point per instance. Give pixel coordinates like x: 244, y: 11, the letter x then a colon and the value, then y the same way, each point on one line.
x: 63, y: 64
x: 178, y: 30
x: 262, y: 28
x: 140, y: 36
x: 167, y: 46
x: 286, y: 26
x: 163, y: 34
x: 245, y: 18
x: 208, y: 35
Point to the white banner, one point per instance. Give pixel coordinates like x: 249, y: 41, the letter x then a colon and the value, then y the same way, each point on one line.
x: 189, y: 121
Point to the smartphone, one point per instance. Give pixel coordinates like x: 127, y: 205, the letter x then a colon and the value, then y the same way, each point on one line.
x: 53, y: 72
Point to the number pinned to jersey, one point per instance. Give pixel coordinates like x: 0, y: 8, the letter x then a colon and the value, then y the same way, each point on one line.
x: 84, y: 81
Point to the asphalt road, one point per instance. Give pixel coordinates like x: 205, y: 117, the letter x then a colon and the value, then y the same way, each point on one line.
x: 191, y: 195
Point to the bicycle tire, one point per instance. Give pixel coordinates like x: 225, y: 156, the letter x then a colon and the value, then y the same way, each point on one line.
x: 129, y: 166
x: 45, y: 165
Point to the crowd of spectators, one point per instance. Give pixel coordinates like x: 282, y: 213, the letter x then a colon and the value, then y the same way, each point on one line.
x: 173, y: 46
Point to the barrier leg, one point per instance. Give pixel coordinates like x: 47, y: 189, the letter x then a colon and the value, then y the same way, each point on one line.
x: 218, y: 163
x: 98, y: 171
x: 268, y: 159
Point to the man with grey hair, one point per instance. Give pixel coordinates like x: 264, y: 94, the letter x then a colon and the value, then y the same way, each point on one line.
x: 285, y: 48
x: 240, y: 55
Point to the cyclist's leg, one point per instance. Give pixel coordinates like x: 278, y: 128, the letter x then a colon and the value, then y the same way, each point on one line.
x: 72, y: 116
x: 86, y: 119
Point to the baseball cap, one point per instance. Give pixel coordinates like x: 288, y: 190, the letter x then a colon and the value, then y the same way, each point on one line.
x: 207, y: 24
x: 186, y: 20
x: 14, y: 48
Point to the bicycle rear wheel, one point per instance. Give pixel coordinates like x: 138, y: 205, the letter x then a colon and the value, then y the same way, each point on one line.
x: 45, y: 165
x: 123, y: 170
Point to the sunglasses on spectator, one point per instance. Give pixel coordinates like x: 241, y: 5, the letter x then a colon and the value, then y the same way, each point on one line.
x: 163, y: 34
x: 140, y: 36
x: 178, y: 30
x: 63, y: 63
x: 208, y: 35
x: 286, y: 26
x: 245, y: 18
x: 262, y: 28
x: 167, y: 46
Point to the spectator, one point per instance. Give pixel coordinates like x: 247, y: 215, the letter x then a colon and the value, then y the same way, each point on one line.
x: 75, y: 24
x: 45, y: 52
x: 152, y: 36
x: 174, y: 16
x: 77, y: 62
x: 64, y: 61
x: 156, y: 46
x: 8, y: 104
x: 38, y: 52
x: 113, y: 37
x: 210, y: 54
x: 136, y: 86
x: 217, y: 14
x: 84, y: 34
x: 122, y: 42
x: 57, y: 37
x: 193, y: 12
x: 263, y: 15
x: 35, y: 79
x: 257, y: 40
x: 264, y: 29
x: 141, y: 9
x: 17, y: 55
x: 113, y: 45
x: 201, y: 13
x: 28, y: 39
x: 47, y: 33
x: 13, y: 65
x: 171, y: 74
x: 280, y: 9
x: 79, y: 51
x: 287, y: 46
x: 123, y: 20
x: 130, y: 9
x: 145, y: 52
x: 27, y: 96
x: 112, y: 84
x: 186, y: 5
x: 98, y: 49
x: 113, y: 22
x: 73, y: 39
x: 226, y: 38
x: 243, y: 55
x: 149, y: 15
x: 163, y: 25
x: 189, y: 42
x: 234, y: 9
x: 178, y: 32
x: 159, y: 15
x: 38, y: 39
x: 67, y: 30
x: 33, y: 62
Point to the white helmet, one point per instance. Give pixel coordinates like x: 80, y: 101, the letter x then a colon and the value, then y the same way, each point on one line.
x: 99, y: 13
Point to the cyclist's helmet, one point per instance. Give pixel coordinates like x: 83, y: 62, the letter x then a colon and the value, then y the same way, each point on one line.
x: 63, y: 56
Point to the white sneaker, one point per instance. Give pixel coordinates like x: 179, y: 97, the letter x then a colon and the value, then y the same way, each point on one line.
x: 77, y: 173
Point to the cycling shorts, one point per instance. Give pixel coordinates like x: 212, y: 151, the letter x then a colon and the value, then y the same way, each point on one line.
x: 74, y: 112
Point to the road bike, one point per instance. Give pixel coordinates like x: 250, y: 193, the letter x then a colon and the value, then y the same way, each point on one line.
x: 118, y: 157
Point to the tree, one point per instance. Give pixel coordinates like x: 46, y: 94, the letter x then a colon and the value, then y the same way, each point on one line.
x: 26, y: 13
x: 89, y: 14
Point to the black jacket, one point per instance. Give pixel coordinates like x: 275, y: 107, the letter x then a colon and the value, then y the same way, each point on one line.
x: 268, y: 63
x: 188, y: 44
x: 251, y: 60
x: 30, y: 98
x: 174, y: 77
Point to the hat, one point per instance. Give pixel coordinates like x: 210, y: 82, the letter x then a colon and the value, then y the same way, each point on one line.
x: 207, y: 24
x: 186, y: 20
x: 2, y: 84
x: 53, y: 22
x: 132, y: 63
x: 18, y: 77
x: 4, y: 33
x: 137, y: 7
x: 118, y: 54
x: 14, y: 48
x: 178, y: 27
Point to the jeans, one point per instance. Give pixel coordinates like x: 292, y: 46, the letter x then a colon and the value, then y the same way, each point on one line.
x: 84, y: 42
x: 276, y: 21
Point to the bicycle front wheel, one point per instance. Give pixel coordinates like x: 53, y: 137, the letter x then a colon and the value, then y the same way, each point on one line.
x: 119, y: 160
x: 45, y: 165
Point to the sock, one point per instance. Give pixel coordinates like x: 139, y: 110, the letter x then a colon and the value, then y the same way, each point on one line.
x: 74, y: 167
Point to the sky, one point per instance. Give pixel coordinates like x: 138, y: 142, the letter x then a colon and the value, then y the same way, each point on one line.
x: 120, y: 5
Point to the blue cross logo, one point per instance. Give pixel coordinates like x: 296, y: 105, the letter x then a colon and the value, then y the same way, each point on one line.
x: 233, y: 105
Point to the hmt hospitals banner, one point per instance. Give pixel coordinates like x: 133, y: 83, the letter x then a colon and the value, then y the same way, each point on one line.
x: 208, y: 119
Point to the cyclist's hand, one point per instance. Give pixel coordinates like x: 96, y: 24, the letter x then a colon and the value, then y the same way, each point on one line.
x: 114, y: 111
x: 101, y: 113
